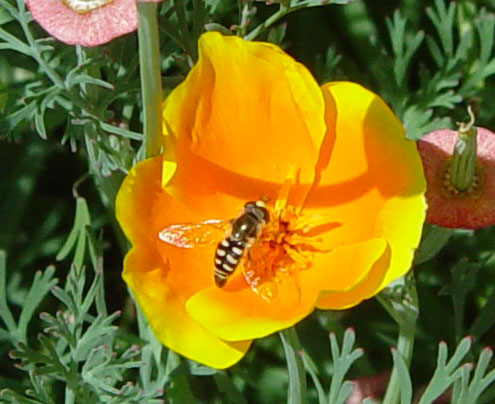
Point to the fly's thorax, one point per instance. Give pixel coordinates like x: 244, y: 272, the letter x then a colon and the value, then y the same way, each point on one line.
x: 259, y: 210
x: 247, y: 225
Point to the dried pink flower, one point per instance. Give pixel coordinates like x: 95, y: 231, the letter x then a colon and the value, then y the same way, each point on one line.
x: 369, y: 386
x: 85, y: 22
x: 469, y: 207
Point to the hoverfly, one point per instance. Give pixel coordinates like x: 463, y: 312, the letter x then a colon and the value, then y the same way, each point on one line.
x: 240, y: 237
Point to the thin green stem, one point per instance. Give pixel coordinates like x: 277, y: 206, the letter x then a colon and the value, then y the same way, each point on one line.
x: 282, y: 12
x: 245, y: 8
x: 36, y: 54
x: 70, y: 397
x: 151, y: 80
x: 279, y: 14
x: 107, y: 185
x: 295, y: 365
x: 432, y: 241
x: 401, y: 302
x: 405, y: 346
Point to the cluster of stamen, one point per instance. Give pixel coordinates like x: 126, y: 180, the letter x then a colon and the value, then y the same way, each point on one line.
x: 85, y: 6
x: 474, y: 190
x: 288, y: 245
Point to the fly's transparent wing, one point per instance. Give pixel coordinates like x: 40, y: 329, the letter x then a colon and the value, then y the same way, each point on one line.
x: 190, y: 235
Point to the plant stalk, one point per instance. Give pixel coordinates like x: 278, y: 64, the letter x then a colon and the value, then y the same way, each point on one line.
x: 401, y: 302
x: 275, y: 17
x: 151, y: 79
x: 295, y: 365
x: 405, y: 346
x: 70, y: 397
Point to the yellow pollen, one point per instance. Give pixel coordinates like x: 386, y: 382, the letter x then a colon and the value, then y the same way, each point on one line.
x: 286, y: 246
x: 85, y: 6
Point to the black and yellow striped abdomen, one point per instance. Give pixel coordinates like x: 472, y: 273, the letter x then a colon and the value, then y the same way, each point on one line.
x: 245, y: 229
x: 227, y: 257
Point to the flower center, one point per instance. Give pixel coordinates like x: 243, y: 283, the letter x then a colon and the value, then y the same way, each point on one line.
x: 286, y: 246
x: 475, y: 188
x: 85, y: 6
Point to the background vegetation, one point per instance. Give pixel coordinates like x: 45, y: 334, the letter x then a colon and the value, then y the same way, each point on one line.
x: 70, y: 128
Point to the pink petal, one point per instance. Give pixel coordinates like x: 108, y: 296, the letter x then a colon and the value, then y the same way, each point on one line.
x: 93, y: 28
x: 371, y: 386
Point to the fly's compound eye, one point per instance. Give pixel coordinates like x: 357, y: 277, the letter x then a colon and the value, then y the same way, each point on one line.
x: 258, y: 208
x: 250, y: 205
x: 266, y: 214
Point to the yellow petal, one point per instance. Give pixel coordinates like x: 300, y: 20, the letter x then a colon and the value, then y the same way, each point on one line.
x: 249, y: 108
x: 162, y: 277
x: 373, y: 183
x: 343, y: 268
x: 242, y: 314
x: 238, y: 313
x: 365, y: 289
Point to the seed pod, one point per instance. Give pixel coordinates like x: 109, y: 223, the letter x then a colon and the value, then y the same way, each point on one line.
x: 471, y: 205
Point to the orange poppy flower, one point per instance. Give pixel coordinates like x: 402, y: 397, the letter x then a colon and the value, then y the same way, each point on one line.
x: 343, y: 187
